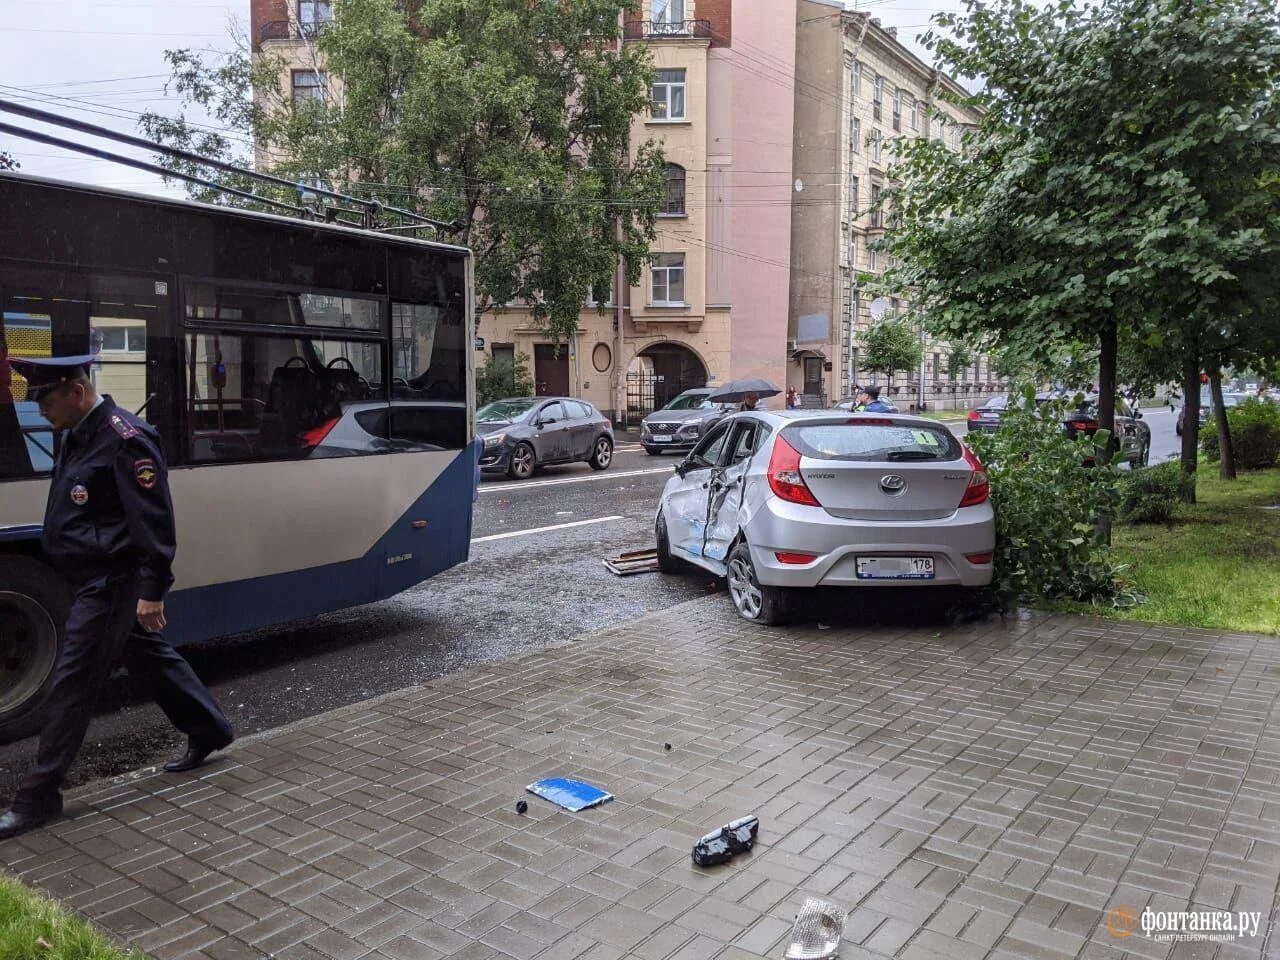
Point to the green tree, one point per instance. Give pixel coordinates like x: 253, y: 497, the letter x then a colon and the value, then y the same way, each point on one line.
x: 891, y: 345
x: 959, y: 357
x: 509, y: 117
x: 497, y: 379
x: 1121, y: 178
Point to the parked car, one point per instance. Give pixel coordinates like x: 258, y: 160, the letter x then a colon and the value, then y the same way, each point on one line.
x: 785, y: 500
x: 848, y: 403
x: 986, y: 418
x: 682, y: 422
x: 1229, y: 400
x: 1133, y: 436
x: 525, y: 433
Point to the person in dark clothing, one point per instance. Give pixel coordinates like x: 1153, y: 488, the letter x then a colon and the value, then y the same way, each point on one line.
x: 109, y: 529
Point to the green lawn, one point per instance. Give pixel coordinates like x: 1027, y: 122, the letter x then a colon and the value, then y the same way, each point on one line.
x: 35, y: 928
x: 1217, y: 565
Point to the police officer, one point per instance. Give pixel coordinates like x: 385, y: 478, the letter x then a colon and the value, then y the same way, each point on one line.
x: 108, y: 528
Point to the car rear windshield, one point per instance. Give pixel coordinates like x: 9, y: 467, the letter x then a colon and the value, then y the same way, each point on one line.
x: 999, y: 402
x: 693, y: 401
x: 873, y: 442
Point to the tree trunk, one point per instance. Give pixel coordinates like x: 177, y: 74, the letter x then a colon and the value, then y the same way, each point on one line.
x: 1227, y: 465
x: 1107, y: 406
x: 1190, y: 422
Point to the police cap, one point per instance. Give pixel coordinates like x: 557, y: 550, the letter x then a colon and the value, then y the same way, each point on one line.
x: 44, y: 374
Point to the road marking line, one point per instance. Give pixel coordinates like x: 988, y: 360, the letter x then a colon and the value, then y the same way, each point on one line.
x: 603, y: 475
x: 554, y: 526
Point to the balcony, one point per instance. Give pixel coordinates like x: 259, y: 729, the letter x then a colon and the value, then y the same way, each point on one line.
x: 667, y: 30
x: 290, y: 30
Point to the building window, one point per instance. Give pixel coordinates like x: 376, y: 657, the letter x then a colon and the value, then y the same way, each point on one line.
x: 875, y: 146
x: 915, y: 114
x: 128, y: 338
x: 877, y: 215
x: 955, y: 136
x: 314, y: 14
x: 668, y: 16
x: 897, y: 110
x: 667, y: 98
x: 308, y: 86
x: 855, y: 79
x: 853, y: 196
x: 668, y: 280
x: 873, y: 258
x: 855, y: 135
x: 504, y: 356
x: 674, y: 205
x: 877, y: 96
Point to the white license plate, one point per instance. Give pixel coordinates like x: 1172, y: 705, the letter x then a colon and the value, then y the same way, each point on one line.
x: 991, y: 416
x: 895, y: 568
x: 662, y: 438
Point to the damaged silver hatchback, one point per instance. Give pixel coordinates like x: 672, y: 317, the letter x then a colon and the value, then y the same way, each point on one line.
x: 779, y: 500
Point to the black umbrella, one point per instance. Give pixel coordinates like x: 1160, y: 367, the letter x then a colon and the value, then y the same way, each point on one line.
x: 735, y: 391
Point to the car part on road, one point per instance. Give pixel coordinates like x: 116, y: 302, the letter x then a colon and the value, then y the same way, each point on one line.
x: 522, y: 807
x: 633, y: 562
x: 756, y: 603
x: 573, y: 795
x: 523, y: 462
x: 721, y: 846
x: 817, y: 932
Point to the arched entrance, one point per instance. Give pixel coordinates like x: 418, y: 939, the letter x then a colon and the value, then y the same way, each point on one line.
x: 660, y: 373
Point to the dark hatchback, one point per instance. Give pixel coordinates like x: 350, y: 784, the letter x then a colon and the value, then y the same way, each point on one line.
x: 524, y: 433
x: 1133, y: 436
x: 986, y: 418
x: 682, y: 422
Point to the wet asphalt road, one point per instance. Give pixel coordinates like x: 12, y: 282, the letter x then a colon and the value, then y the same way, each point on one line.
x: 516, y: 594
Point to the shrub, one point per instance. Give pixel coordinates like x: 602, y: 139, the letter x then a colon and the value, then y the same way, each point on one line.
x: 1047, y: 502
x: 496, y: 379
x: 1151, y: 495
x: 1255, y: 434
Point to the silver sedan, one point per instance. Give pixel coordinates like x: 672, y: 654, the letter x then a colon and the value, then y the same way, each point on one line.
x: 789, y: 499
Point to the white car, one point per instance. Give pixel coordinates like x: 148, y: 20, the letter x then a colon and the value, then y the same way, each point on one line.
x: 788, y: 499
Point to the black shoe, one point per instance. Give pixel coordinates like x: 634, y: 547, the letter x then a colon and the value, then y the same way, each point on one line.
x: 14, y: 822
x: 195, y: 756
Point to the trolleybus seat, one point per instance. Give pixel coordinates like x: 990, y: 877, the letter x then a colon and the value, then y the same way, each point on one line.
x: 341, y: 383
x: 293, y: 406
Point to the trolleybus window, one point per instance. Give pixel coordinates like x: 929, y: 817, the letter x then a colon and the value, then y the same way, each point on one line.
x: 44, y: 314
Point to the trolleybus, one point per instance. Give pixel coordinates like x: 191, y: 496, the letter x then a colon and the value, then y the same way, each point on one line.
x: 313, y: 386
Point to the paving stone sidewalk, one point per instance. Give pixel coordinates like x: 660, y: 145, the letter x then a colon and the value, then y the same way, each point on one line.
x: 991, y: 791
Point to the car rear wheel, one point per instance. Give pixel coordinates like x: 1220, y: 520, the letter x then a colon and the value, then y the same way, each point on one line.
x: 523, y: 462
x: 34, y: 602
x: 601, y: 454
x: 754, y: 602
x: 666, y: 562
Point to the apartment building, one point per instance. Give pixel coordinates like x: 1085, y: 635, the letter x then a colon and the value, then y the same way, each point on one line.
x: 857, y: 88
x: 713, y: 304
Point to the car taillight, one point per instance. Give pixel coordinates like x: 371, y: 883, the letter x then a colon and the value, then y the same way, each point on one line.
x: 869, y: 422
x: 978, y: 559
x: 786, y: 556
x: 979, y: 489
x: 315, y: 436
x: 784, y: 475
x: 1082, y: 425
x: 975, y: 415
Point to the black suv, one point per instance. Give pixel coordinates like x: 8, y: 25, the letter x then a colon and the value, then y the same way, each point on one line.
x: 680, y: 424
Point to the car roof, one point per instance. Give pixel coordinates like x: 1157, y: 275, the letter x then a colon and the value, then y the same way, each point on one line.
x: 788, y: 417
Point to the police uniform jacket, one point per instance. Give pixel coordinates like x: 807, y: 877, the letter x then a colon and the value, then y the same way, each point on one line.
x: 109, y: 509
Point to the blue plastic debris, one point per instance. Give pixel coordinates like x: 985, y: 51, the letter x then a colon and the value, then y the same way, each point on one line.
x: 571, y: 794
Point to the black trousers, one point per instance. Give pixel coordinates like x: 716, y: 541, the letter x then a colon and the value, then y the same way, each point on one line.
x: 101, y: 627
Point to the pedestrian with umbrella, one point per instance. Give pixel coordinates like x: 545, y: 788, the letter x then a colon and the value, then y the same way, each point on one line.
x: 746, y: 393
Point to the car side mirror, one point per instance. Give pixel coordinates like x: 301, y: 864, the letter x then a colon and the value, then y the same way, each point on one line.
x: 681, y: 468
x: 1137, y: 414
x: 539, y: 424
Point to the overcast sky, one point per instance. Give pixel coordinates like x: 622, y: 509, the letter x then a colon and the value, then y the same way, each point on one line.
x: 103, y: 61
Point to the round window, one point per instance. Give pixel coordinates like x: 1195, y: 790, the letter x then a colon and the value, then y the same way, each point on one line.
x: 601, y: 357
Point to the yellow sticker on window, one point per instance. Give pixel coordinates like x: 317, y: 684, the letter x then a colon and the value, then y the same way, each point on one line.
x: 925, y: 437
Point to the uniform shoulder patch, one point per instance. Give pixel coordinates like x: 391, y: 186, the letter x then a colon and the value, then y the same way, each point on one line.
x: 123, y: 427
x: 145, y: 472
